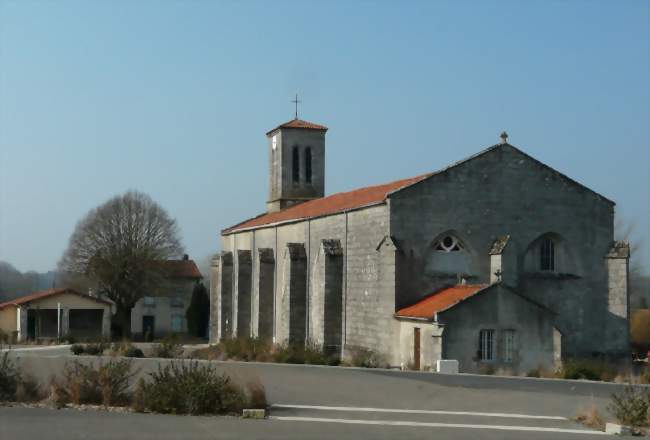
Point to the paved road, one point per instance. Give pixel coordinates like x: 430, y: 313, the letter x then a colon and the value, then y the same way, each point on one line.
x: 34, y: 423
x: 328, y: 402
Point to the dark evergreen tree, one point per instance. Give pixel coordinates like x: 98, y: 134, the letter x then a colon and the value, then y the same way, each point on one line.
x: 198, y: 313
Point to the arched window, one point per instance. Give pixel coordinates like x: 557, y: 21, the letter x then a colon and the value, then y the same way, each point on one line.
x: 448, y: 243
x: 308, y: 165
x: 547, y: 255
x: 449, y: 256
x: 295, y: 165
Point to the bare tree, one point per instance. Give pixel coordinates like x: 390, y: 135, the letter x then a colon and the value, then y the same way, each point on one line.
x: 639, y: 286
x: 120, y: 246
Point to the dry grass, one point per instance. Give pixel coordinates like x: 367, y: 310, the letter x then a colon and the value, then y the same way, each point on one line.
x: 256, y: 394
x: 591, y: 417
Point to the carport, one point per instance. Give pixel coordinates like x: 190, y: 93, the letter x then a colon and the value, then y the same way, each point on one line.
x: 56, y: 313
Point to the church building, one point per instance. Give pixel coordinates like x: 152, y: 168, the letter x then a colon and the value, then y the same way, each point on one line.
x: 497, y: 261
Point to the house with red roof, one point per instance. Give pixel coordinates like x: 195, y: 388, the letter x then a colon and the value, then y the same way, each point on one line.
x: 496, y: 261
x: 164, y: 311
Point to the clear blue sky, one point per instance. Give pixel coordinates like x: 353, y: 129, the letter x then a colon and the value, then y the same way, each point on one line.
x: 173, y: 98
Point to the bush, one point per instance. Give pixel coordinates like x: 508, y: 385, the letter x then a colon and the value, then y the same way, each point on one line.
x: 630, y: 407
x: 365, y: 358
x: 588, y: 369
x: 211, y: 353
x: 534, y: 373
x: 9, y: 378
x: 28, y: 390
x: 256, y: 394
x: 114, y: 380
x: 191, y: 388
x: 126, y: 349
x: 95, y: 349
x: 591, y: 417
x: 137, y: 402
x: 77, y: 349
x: 107, y: 384
x: 247, y: 349
x: 169, y: 348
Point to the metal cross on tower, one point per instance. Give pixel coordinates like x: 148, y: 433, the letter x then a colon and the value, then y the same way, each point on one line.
x: 296, y: 101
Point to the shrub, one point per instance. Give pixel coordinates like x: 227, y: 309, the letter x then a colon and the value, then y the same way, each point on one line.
x: 107, y: 384
x: 114, y: 380
x: 534, y: 373
x: 77, y: 349
x: 367, y: 359
x: 169, y: 348
x: 9, y: 377
x: 630, y: 407
x: 256, y: 394
x: 137, y: 402
x: 247, y: 349
x: 95, y: 349
x: 211, y: 353
x: 81, y: 383
x: 588, y: 369
x: 126, y: 349
x: 191, y: 388
x: 289, y: 354
x: 58, y: 395
x: 28, y: 390
x: 591, y: 417
x: 487, y: 369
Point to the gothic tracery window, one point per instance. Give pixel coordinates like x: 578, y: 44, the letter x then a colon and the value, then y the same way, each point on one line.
x: 448, y: 243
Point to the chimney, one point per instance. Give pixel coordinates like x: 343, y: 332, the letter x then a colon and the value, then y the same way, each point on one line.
x: 186, y: 257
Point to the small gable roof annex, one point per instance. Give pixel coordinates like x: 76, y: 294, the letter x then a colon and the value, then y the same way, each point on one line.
x: 440, y: 301
x: 48, y: 293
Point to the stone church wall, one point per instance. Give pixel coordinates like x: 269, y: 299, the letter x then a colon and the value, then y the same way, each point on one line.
x: 365, y: 282
x: 506, y: 192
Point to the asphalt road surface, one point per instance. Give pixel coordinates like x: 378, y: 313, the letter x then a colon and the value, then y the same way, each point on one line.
x: 328, y: 402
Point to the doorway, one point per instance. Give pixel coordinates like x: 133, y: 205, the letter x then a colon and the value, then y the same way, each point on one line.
x: 416, y: 348
x: 148, y: 327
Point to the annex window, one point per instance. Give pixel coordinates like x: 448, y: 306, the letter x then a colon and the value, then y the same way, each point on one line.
x: 486, y: 345
x: 508, y: 345
x: 177, y: 300
x: 547, y: 255
x: 295, y: 165
x: 308, y: 165
x: 177, y: 323
x: 149, y: 301
x: 448, y: 243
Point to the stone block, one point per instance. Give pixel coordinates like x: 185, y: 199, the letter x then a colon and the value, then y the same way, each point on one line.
x: 447, y: 366
x: 616, y: 429
x: 254, y: 413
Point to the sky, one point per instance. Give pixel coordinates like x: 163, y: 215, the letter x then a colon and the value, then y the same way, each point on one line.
x: 173, y: 98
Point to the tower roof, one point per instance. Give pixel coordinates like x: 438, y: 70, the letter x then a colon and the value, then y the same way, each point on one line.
x: 299, y: 123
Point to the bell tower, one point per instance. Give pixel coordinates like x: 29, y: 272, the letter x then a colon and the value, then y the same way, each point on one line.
x: 296, y: 163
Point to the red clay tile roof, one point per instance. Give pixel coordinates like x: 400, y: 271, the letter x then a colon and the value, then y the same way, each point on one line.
x: 182, y: 269
x: 339, y: 202
x: 46, y: 293
x: 299, y: 123
x: 440, y: 301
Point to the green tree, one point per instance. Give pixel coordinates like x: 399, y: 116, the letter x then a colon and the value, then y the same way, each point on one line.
x: 198, y: 313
